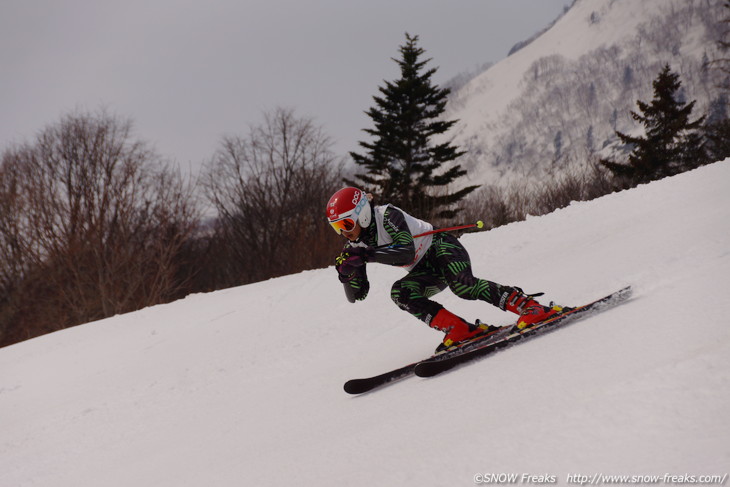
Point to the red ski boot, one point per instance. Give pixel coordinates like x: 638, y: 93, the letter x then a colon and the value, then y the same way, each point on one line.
x: 457, y: 330
x: 530, y: 311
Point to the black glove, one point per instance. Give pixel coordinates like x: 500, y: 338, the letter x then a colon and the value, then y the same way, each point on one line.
x: 351, y: 259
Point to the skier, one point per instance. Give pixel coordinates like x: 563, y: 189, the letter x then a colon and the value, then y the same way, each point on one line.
x: 388, y: 235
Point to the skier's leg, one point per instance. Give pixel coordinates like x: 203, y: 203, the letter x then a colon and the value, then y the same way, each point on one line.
x: 412, y: 294
x: 453, y: 260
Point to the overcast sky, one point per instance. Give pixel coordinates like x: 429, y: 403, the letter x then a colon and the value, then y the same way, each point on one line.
x: 188, y: 72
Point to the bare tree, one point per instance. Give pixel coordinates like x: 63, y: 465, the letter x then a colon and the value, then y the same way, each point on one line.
x: 96, y: 221
x: 13, y: 233
x: 270, y: 188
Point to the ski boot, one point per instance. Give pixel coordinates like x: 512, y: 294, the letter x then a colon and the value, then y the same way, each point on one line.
x: 531, y: 312
x: 458, y: 330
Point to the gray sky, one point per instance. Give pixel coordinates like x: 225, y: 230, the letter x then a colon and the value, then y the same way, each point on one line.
x: 188, y: 72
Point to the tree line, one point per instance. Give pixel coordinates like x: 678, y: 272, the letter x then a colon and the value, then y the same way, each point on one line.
x: 93, y: 222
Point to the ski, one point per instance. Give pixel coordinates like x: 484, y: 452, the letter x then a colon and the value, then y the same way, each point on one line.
x: 481, y: 346
x: 439, y: 364
x: 360, y: 386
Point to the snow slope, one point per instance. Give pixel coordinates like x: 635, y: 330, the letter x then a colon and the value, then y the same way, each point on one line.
x: 244, y: 386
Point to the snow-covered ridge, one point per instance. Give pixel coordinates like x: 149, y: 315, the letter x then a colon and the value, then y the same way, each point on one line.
x: 244, y: 386
x: 558, y: 101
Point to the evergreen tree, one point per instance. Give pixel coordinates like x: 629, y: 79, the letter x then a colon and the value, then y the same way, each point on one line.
x: 590, y: 142
x: 717, y: 128
x: 718, y: 140
x: 672, y: 144
x: 402, y: 164
x: 724, y: 42
x: 558, y: 145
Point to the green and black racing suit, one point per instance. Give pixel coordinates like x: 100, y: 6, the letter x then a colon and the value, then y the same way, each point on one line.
x: 444, y: 263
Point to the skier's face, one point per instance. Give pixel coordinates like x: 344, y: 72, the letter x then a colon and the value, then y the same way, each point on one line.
x: 354, y: 234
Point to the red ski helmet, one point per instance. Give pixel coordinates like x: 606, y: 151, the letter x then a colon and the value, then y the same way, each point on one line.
x: 347, y: 207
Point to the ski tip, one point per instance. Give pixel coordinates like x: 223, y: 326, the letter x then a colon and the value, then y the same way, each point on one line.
x: 351, y: 387
x: 357, y: 386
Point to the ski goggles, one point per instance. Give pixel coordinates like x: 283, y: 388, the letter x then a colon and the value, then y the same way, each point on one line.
x: 346, y: 224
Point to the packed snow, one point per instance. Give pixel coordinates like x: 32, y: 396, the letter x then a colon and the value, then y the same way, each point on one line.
x: 244, y: 386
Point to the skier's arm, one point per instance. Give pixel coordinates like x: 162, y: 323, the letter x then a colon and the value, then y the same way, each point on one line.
x: 402, y: 251
x: 353, y: 277
x: 350, y: 264
x: 356, y: 286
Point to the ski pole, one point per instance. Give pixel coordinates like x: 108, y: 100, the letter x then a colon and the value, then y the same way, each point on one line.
x: 478, y: 224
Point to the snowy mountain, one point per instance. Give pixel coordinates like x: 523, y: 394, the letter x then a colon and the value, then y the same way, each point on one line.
x: 244, y: 386
x: 558, y: 101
